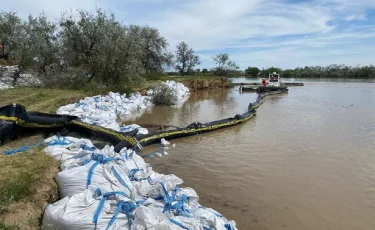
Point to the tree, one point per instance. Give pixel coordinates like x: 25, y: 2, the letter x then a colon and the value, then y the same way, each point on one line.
x: 15, y: 36
x: 185, y: 58
x: 265, y: 72
x: 98, y: 45
x: 288, y: 73
x: 204, y: 70
x: 252, y: 71
x: 10, y: 30
x: 225, y: 66
x: 44, y: 42
x: 155, y: 55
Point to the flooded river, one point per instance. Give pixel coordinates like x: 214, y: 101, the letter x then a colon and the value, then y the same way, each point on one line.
x: 306, y: 161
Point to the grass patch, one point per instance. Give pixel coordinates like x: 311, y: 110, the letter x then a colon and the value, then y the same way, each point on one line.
x: 193, y: 77
x: 23, y: 176
x: 4, y: 226
x: 41, y: 99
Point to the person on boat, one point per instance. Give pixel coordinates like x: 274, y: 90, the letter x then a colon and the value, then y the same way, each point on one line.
x: 264, y: 82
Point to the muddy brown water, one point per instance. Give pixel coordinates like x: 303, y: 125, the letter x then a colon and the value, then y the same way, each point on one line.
x: 306, y: 161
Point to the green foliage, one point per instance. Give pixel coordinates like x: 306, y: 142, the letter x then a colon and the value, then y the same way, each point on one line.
x: 225, y: 67
x: 266, y: 72
x: 252, y: 71
x: 155, y: 76
x: 163, y: 95
x: 331, y: 71
x: 185, y: 59
x: 288, y: 73
x: 64, y: 54
x: 335, y: 71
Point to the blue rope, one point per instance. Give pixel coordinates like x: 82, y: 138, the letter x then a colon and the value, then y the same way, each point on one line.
x: 180, y: 209
x: 101, y: 204
x: 120, y: 179
x: 124, y: 207
x: 87, y: 148
x: 100, y: 159
x: 132, y: 176
x: 59, y: 141
x: 178, y: 223
x: 24, y: 148
x: 168, y: 199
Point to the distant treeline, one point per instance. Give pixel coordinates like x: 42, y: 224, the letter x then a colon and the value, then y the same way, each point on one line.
x: 331, y: 71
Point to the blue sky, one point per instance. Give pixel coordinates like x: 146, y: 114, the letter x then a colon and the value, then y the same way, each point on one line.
x: 262, y: 33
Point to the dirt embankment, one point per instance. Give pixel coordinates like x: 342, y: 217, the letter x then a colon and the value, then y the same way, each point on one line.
x: 199, y: 84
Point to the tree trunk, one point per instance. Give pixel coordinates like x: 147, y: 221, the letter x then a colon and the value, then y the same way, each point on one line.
x: 16, y: 75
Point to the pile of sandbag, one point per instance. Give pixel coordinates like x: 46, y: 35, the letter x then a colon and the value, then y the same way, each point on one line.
x: 7, y: 76
x: 102, y: 189
x: 104, y: 110
x: 180, y: 92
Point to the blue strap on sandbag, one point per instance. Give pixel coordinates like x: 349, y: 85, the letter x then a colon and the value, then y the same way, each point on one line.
x: 178, y: 223
x: 101, y: 204
x: 24, y: 148
x: 168, y: 199
x: 100, y: 159
x: 117, y: 175
x: 59, y: 141
x: 91, y: 171
x: 132, y: 173
x: 214, y: 212
x: 228, y: 227
x: 87, y: 148
x: 124, y: 207
x: 180, y: 209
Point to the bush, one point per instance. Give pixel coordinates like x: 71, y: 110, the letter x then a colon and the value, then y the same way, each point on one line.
x: 163, y: 95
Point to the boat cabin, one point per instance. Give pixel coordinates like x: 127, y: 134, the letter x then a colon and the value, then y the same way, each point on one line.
x: 274, y: 79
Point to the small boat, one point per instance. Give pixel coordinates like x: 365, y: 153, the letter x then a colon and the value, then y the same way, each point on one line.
x: 248, y: 88
x: 274, y: 84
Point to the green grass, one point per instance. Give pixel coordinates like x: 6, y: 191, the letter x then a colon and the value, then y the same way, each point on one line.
x: 4, y: 226
x: 23, y: 175
x: 193, y: 77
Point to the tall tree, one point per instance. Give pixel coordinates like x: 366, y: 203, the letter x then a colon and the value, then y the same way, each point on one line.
x: 252, y: 71
x: 10, y: 32
x: 155, y: 55
x: 185, y: 58
x: 225, y: 66
x: 44, y: 42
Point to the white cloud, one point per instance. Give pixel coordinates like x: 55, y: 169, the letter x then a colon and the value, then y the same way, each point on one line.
x: 208, y: 24
x: 265, y: 32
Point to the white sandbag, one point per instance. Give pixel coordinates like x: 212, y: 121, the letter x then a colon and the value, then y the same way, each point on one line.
x: 192, y: 202
x: 66, y: 148
x: 129, y: 128
x: 154, y: 218
x: 78, y: 211
x: 152, y: 188
x: 212, y: 219
x: 106, y: 176
x: 132, y: 160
